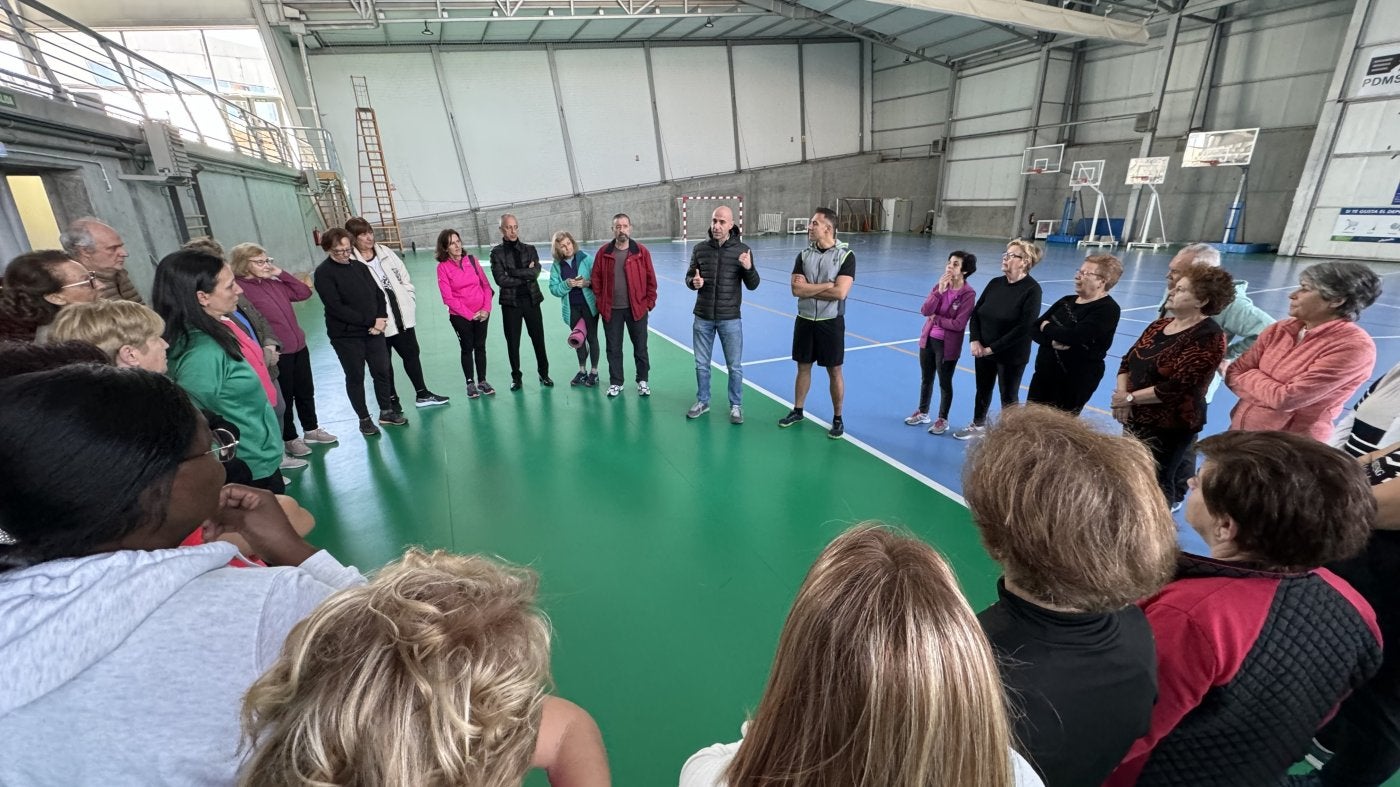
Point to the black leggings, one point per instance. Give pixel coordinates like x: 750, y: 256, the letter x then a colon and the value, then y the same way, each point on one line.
x: 511, y: 317
x: 299, y: 390
x: 1168, y: 447
x: 931, y: 362
x: 992, y: 373
x: 405, y: 343
x: 1067, y: 386
x: 471, y: 335
x: 588, y: 353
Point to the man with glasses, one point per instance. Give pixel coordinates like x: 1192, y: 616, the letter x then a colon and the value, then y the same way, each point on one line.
x: 100, y: 249
x: 356, y: 315
x: 821, y: 280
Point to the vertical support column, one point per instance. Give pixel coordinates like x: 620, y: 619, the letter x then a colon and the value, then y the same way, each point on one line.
x: 13, y: 240
x: 942, y: 185
x: 1037, y: 102
x: 1328, y: 125
x: 867, y: 113
x: 1159, y: 92
x: 563, y: 121
x: 655, y: 116
x: 802, y: 100
x: 310, y: 86
x: 126, y: 78
x: 734, y: 108
x: 457, y: 141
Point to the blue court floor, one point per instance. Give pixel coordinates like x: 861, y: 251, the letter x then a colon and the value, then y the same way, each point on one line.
x: 893, y: 276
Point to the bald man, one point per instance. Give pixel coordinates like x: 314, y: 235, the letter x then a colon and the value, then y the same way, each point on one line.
x: 718, y: 266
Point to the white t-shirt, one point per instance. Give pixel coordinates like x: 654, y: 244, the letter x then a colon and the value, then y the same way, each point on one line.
x: 1375, y: 421
x: 706, y: 767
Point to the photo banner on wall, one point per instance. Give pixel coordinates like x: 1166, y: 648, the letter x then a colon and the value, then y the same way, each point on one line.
x: 1367, y: 225
x: 1379, y: 72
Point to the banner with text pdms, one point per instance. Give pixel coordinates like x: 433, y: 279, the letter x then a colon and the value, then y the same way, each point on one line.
x: 1368, y: 225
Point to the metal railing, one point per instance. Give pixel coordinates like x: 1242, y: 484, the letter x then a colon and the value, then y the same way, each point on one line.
x: 61, y: 59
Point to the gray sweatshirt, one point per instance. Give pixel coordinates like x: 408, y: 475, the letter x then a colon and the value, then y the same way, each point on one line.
x: 129, y: 667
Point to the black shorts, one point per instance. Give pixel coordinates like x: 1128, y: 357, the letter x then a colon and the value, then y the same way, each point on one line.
x: 822, y: 342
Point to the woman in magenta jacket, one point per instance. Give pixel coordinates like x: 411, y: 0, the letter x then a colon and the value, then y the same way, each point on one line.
x: 272, y: 291
x: 948, y: 308
x: 467, y: 293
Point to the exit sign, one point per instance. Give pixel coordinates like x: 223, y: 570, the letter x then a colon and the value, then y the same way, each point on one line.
x: 7, y: 99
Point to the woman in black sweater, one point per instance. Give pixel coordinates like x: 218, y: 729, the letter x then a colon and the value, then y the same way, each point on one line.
x: 1074, y: 336
x: 356, y: 315
x: 1000, y: 331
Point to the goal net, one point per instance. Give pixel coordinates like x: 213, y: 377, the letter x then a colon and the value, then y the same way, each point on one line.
x: 701, y: 205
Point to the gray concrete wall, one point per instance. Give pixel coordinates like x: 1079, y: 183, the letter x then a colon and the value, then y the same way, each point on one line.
x: 792, y: 190
x: 1194, y: 200
x: 83, y: 157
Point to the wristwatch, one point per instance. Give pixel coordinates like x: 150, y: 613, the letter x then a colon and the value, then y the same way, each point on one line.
x: 1129, y: 397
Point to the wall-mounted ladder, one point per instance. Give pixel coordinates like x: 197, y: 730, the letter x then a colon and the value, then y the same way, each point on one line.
x: 376, y: 192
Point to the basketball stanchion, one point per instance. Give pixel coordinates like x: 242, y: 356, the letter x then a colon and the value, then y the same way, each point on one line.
x: 1150, y: 172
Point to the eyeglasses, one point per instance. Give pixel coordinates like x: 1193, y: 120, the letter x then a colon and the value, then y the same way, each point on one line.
x: 262, y: 261
x: 1082, y: 272
x: 90, y: 280
x: 1009, y: 256
x: 225, y: 447
x: 340, y: 251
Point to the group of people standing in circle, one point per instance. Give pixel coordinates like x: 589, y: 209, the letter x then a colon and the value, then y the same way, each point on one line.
x: 1207, y: 331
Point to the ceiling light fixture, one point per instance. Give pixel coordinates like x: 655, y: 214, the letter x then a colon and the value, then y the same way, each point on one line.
x: 426, y: 31
x: 495, y: 12
x: 600, y: 12
x: 549, y: 12
x: 443, y: 14
x: 709, y: 21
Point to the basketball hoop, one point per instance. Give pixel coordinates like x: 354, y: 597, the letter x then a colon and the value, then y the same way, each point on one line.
x: 1215, y: 162
x: 1038, y: 171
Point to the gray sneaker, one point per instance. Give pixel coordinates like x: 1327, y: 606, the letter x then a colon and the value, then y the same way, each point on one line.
x: 736, y: 414
x: 290, y: 462
x: 297, y: 447
x: 319, y: 435
x: 969, y: 432
x: 698, y: 409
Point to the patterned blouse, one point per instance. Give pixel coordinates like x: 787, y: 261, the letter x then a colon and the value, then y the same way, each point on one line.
x: 1180, y: 367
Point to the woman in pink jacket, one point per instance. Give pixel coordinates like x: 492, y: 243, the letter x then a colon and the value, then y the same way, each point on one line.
x: 948, y: 308
x: 1301, y: 371
x: 467, y: 293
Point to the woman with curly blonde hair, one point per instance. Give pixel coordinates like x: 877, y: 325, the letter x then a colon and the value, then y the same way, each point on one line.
x: 883, y: 678
x: 435, y: 673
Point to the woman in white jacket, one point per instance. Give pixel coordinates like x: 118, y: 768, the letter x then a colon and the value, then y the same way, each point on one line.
x: 1374, y: 422
x: 401, y: 331
x: 127, y: 655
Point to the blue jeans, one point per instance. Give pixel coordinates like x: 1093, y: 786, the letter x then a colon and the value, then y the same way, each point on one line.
x: 731, y: 337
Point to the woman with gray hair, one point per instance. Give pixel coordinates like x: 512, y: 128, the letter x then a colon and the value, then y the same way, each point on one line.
x: 1303, y: 368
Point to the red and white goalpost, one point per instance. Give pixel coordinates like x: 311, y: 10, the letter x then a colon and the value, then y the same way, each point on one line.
x: 683, y: 204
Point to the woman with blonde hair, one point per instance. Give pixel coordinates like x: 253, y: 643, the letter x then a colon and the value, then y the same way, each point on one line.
x: 882, y: 679
x: 128, y: 332
x: 432, y: 675
x: 570, y: 281
x: 1076, y: 520
x: 1000, y: 331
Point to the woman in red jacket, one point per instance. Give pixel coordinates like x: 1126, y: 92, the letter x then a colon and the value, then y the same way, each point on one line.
x: 467, y: 293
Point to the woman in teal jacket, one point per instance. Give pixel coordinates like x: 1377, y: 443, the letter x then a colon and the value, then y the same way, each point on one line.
x: 570, y: 280
x: 217, y: 361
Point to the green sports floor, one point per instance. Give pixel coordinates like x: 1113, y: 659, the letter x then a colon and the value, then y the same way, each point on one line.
x: 669, y: 550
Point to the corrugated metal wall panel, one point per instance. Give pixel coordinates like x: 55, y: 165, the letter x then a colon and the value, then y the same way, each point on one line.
x: 608, y: 153
x: 770, y: 107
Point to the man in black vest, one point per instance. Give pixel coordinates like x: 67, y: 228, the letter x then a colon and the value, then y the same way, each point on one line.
x: 718, y: 267
x: 516, y: 268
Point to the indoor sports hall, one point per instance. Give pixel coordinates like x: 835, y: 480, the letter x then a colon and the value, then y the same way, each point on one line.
x: 669, y: 548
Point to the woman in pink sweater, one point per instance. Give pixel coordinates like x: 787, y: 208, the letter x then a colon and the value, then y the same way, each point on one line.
x: 1303, y: 368
x: 948, y: 308
x: 467, y: 293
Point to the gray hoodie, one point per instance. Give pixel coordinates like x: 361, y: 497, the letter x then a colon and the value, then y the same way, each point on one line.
x: 129, y: 667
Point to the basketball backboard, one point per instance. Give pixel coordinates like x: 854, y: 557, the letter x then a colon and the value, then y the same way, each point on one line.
x: 1086, y: 173
x: 1232, y: 148
x: 1148, y: 171
x: 1043, y: 160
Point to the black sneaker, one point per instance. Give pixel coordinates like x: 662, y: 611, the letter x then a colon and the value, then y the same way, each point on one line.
x: 591, y: 380
x: 545, y: 381
x: 790, y: 419
x: 837, y: 430
x: 395, y: 405
x: 391, y: 418
x: 367, y: 427
x: 579, y: 379
x: 430, y: 399
x: 515, y: 385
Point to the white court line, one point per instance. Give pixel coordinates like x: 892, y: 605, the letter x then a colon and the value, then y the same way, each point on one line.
x: 848, y: 349
x: 878, y: 454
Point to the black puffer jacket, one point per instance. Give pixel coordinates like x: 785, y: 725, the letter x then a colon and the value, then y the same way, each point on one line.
x: 721, y: 297
x: 516, y: 268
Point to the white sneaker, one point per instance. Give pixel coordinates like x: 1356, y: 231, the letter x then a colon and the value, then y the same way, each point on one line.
x: 969, y: 432
x: 643, y: 389
x: 319, y: 435
x: 736, y: 414
x: 614, y: 390
x: 919, y: 417
x: 292, y: 463
x: 698, y: 409
x: 297, y: 447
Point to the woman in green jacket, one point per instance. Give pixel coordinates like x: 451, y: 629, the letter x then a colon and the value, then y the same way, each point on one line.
x: 218, y: 361
x: 570, y: 279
